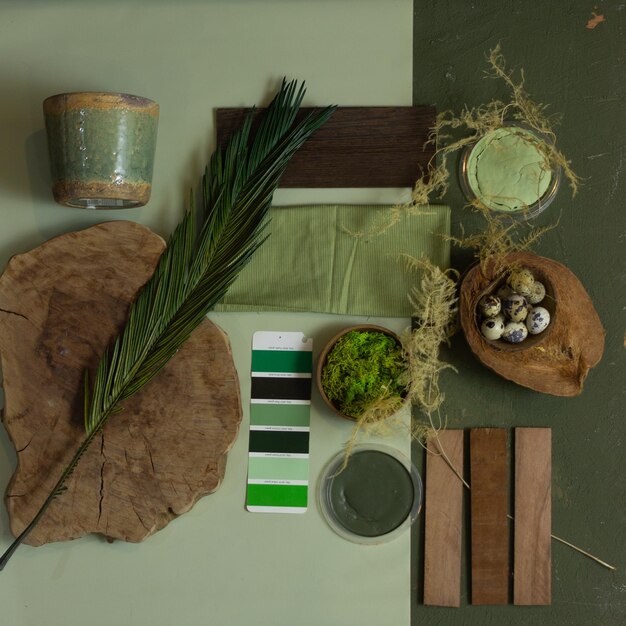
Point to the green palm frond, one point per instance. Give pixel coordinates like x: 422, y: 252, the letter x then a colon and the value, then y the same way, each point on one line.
x: 204, y: 255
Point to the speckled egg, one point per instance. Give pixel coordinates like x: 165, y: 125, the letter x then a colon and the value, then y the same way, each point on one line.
x: 522, y: 281
x: 492, y: 328
x: 489, y: 306
x: 515, y: 307
x: 504, y: 292
x: 515, y: 332
x: 537, y: 293
x: 538, y: 320
x: 501, y: 318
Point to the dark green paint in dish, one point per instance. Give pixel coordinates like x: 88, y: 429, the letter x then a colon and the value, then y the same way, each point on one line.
x: 373, y: 495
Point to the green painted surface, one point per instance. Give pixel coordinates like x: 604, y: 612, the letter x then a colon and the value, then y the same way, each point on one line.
x: 280, y: 414
x: 90, y: 145
x: 277, y: 495
x: 507, y: 171
x: 373, y: 495
x: 580, y: 72
x: 282, y: 361
x: 278, y: 468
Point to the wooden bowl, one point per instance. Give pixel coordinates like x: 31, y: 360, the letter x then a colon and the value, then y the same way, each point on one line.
x: 558, y: 360
x: 321, y: 361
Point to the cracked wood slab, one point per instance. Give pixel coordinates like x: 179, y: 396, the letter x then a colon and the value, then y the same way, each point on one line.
x: 60, y: 304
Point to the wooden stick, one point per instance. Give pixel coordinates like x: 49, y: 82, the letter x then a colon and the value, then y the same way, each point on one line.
x: 443, y: 520
x: 532, y: 576
x: 490, y: 526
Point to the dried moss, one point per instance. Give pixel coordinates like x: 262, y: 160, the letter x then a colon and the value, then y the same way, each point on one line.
x: 499, y: 238
x: 455, y: 131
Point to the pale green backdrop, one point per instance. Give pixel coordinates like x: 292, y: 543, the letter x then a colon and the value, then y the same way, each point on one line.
x: 218, y: 564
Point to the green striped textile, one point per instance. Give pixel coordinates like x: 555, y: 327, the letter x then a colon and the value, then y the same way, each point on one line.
x: 340, y: 259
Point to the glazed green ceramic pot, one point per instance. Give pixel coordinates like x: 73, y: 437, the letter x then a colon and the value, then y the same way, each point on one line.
x: 101, y: 148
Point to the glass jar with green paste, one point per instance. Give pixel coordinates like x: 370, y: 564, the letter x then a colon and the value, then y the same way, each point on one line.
x: 508, y: 171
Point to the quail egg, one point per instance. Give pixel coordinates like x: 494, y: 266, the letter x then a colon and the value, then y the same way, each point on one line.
x: 489, y: 306
x: 504, y: 292
x: 521, y: 281
x: 538, y: 320
x: 515, y: 307
x: 537, y: 293
x: 515, y: 332
x: 492, y: 328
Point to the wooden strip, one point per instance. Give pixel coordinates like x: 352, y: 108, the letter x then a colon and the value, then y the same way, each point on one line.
x: 490, y: 527
x: 533, y: 516
x: 357, y: 147
x: 444, y: 521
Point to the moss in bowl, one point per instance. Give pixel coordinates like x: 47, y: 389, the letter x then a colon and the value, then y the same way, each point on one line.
x: 361, y: 368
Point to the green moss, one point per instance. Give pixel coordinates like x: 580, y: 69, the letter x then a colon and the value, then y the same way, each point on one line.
x: 363, y: 368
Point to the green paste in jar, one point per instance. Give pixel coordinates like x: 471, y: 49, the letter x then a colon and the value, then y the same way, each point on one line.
x: 507, y: 171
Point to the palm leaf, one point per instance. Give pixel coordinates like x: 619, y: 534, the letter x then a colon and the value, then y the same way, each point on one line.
x: 205, y: 253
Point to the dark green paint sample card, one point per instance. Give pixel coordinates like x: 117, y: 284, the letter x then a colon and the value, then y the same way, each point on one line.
x: 280, y: 406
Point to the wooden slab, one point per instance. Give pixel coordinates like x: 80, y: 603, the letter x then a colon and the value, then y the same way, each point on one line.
x: 532, y: 577
x: 490, y: 526
x: 60, y: 304
x: 357, y: 147
x: 559, y: 364
x: 443, y: 520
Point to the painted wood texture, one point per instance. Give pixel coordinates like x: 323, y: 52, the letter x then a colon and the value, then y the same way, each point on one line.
x: 532, y: 577
x: 60, y: 305
x: 489, y: 523
x: 443, y: 521
x: 357, y: 147
x: 558, y: 361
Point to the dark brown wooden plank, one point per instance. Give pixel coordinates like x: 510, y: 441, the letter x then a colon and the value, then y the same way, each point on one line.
x: 444, y: 520
x: 490, y: 525
x: 357, y: 147
x: 532, y: 581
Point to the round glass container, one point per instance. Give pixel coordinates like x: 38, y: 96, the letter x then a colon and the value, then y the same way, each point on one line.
x: 374, y: 499
x: 506, y: 171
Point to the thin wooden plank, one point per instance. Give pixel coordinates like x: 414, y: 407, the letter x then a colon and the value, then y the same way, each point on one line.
x: 443, y: 521
x: 490, y: 526
x: 532, y: 580
x: 357, y: 147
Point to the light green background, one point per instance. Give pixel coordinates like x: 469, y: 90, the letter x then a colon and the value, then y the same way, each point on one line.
x: 217, y: 564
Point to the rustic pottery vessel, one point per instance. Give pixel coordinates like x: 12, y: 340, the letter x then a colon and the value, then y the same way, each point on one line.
x: 101, y: 148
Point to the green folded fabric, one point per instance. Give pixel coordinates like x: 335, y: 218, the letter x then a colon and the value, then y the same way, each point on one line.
x: 343, y: 259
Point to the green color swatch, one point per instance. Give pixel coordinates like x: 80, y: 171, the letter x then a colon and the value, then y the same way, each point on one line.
x: 277, y: 495
x: 295, y: 361
x: 278, y: 468
x: 280, y: 415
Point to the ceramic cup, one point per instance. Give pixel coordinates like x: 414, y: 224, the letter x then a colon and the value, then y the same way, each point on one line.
x: 101, y: 148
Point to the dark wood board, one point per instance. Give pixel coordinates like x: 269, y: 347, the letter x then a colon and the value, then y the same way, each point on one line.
x: 532, y: 575
x: 443, y: 520
x: 357, y: 147
x: 489, y: 522
x: 60, y: 305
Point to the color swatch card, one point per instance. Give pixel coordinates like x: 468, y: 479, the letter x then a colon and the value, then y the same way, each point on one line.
x: 280, y: 407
